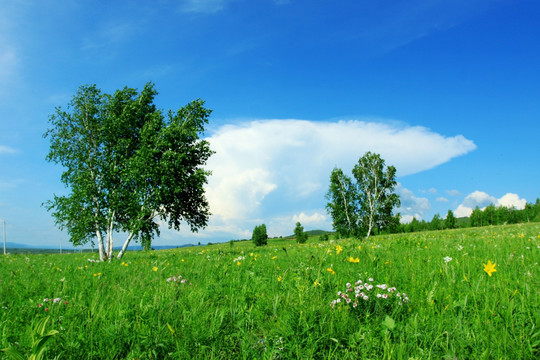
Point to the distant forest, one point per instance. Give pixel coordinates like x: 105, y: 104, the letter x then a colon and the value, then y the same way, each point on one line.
x: 491, y: 215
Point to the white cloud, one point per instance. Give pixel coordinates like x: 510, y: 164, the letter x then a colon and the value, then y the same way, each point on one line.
x: 7, y: 150
x: 441, y: 199
x: 463, y: 211
x: 309, y: 220
x: 453, y: 192
x: 512, y: 200
x: 263, y: 169
x: 481, y: 199
x: 411, y: 206
x: 202, y: 6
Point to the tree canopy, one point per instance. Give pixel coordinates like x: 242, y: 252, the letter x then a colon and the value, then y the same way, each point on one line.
x: 128, y: 166
x: 360, y: 206
x: 260, y: 236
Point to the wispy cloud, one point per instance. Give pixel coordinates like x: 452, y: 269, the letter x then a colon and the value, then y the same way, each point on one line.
x: 202, y: 6
x: 7, y: 150
x: 109, y: 34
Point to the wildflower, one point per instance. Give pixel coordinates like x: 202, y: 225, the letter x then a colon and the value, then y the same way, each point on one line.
x: 383, y: 286
x: 316, y: 283
x: 274, y: 257
x: 238, y: 263
x: 489, y: 268
x: 353, y: 260
x: 331, y: 271
x: 359, y: 247
x: 447, y: 259
x: 338, y: 249
x: 56, y: 300
x: 154, y: 268
x: 279, y: 278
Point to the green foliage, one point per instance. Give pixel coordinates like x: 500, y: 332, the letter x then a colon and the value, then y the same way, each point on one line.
x: 301, y: 236
x: 360, y: 207
x: 323, y: 237
x: 259, y: 236
x: 128, y: 166
x: 277, y: 302
x: 450, y: 221
x: 40, y: 338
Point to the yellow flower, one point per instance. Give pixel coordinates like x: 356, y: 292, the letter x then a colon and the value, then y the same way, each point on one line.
x: 154, y: 268
x: 338, y: 249
x: 182, y: 260
x: 279, y: 278
x: 316, y: 283
x: 353, y: 260
x: 275, y: 257
x: 359, y: 247
x: 489, y: 268
x: 239, y: 263
x: 331, y: 271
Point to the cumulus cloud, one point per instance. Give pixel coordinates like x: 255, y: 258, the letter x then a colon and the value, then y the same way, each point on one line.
x: 512, y: 200
x: 481, y: 200
x: 411, y: 206
x: 313, y: 219
x: 262, y: 169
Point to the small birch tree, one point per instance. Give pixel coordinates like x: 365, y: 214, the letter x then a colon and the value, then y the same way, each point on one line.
x: 357, y: 208
x: 128, y: 166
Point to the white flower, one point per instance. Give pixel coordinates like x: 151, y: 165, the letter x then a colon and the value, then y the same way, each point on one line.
x: 365, y: 297
x: 383, y: 286
x: 447, y: 259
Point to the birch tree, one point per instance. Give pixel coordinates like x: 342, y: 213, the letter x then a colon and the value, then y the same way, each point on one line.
x: 358, y: 207
x: 128, y: 167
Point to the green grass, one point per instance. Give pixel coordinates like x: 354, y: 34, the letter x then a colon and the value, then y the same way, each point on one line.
x: 275, y: 303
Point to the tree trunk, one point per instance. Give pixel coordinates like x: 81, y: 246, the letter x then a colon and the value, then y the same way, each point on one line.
x: 124, y: 247
x: 102, y: 255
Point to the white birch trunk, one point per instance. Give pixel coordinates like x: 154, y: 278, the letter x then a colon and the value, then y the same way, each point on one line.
x: 102, y: 255
x: 124, y: 247
x: 345, y: 203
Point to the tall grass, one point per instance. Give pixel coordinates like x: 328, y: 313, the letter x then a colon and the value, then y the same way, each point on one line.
x: 274, y: 302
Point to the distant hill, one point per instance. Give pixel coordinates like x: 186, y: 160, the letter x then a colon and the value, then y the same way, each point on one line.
x: 15, y: 245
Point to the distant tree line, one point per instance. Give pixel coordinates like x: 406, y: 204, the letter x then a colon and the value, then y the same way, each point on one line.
x: 490, y: 215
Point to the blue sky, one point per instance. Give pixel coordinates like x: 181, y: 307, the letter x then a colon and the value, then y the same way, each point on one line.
x: 446, y: 91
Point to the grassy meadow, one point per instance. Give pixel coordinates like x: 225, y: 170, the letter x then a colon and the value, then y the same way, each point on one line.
x: 281, y: 301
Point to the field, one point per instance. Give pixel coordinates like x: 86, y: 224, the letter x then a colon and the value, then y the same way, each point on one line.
x: 280, y: 301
